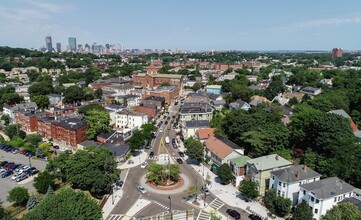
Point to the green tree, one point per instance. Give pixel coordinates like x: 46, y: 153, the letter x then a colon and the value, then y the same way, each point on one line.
x: 156, y: 173
x: 302, y: 212
x: 19, y: 196
x: 11, y: 98
x: 73, y: 94
x: 249, y: 189
x: 195, y: 149
x: 224, y: 172
x: 88, y: 108
x: 97, y: 122
x: 43, y: 181
x: 32, y: 202
x: 6, y: 119
x: 33, y: 139
x: 193, y: 190
x: 58, y: 166
x: 283, y: 205
x: 42, y: 101
x: 269, y: 200
x: 137, y: 140
x: 343, y: 211
x: 41, y: 88
x: 274, y: 88
x: 89, y: 163
x: 2, y: 210
x: 14, y: 130
x: 196, y: 86
x: 69, y: 205
x: 98, y: 93
x: 293, y: 101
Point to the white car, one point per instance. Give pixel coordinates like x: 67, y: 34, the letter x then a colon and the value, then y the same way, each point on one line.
x: 142, y: 190
x: 144, y: 165
x: 160, y: 130
x: 15, y: 176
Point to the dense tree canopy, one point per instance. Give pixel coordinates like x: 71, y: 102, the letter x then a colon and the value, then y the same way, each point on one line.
x: 98, y: 122
x: 69, y: 205
x: 81, y: 168
x: 195, y: 149
x: 343, y: 211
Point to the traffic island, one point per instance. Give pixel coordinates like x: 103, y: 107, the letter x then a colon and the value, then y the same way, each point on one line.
x: 176, y: 188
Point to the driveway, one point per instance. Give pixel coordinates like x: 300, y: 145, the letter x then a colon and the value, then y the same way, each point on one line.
x: 7, y: 184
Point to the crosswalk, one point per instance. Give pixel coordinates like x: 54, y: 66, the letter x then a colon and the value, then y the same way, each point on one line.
x: 203, y: 215
x: 156, y: 158
x: 115, y: 217
x: 216, y: 204
x: 161, y: 205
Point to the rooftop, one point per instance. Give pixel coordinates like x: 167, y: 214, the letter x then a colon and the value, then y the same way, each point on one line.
x: 71, y: 123
x: 354, y: 200
x: 240, y: 161
x: 269, y: 162
x: 90, y: 143
x: 197, y: 124
x: 204, y: 133
x: 329, y: 187
x: 295, y: 174
x: 217, y: 147
x: 155, y: 98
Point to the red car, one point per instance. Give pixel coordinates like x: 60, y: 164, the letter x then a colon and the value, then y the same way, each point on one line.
x: 23, y: 151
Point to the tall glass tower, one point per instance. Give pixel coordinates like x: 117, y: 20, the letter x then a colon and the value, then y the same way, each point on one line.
x: 48, y: 44
x: 72, y: 43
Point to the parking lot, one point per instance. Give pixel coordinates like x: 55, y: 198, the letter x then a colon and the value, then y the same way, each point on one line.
x: 7, y: 184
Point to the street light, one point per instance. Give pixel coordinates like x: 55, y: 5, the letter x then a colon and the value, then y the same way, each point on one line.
x: 170, y: 204
x: 29, y: 161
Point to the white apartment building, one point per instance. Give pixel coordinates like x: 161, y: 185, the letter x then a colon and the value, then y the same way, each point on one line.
x: 130, y: 120
x: 286, y: 182
x: 322, y: 195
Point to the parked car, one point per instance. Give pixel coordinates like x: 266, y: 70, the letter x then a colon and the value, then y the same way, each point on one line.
x: 15, y: 151
x: 151, y: 154
x: 142, y: 190
x: 6, y: 174
x: 56, y: 147
x: 233, y: 213
x: 21, y: 177
x: 180, y: 161
x: 2, y: 163
x: 144, y: 165
x: 160, y: 130
x: 254, y: 217
x: 181, y: 154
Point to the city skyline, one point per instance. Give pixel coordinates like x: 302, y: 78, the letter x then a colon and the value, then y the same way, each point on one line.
x: 186, y: 25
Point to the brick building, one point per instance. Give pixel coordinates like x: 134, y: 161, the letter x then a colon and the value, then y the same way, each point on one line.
x: 166, y: 92
x: 152, y: 79
x: 154, y: 100
x: 70, y: 131
x: 337, y: 52
x: 151, y: 110
x: 28, y: 119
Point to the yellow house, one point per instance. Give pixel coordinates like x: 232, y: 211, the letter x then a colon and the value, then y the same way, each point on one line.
x: 259, y: 169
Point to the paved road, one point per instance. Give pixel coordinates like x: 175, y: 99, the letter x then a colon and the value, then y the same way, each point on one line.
x: 161, y: 203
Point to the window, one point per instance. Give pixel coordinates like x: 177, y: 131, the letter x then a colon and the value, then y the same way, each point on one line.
x: 335, y: 200
x: 304, y: 191
x: 316, y: 211
x: 317, y: 201
x: 279, y: 183
x: 278, y: 192
x: 312, y: 199
x: 284, y: 184
x: 273, y: 177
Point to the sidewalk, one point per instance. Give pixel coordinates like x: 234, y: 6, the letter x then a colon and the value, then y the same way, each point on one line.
x: 111, y: 202
x: 230, y: 194
x: 137, y: 160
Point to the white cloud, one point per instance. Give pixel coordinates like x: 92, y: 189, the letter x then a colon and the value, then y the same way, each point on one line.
x: 48, y: 7
x: 22, y: 14
x: 335, y: 21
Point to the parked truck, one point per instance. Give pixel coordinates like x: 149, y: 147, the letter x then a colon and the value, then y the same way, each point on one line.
x: 167, y: 140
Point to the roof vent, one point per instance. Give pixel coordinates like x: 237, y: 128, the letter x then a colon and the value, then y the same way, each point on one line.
x: 277, y: 157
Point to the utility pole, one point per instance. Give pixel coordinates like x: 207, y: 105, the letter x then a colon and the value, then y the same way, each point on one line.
x: 170, y: 204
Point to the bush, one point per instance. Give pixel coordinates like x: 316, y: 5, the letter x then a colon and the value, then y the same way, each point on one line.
x: 43, y: 181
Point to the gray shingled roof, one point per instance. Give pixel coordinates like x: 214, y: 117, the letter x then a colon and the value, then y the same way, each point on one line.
x: 340, y: 112
x: 329, y: 187
x: 269, y: 162
x: 295, y: 174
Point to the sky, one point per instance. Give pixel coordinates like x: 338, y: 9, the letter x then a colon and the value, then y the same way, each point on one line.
x: 185, y: 24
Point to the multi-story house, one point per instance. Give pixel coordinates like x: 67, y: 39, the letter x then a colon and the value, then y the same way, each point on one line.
x: 10, y: 110
x: 130, y: 119
x: 259, y: 169
x: 322, y: 195
x: 196, y: 111
x: 286, y: 182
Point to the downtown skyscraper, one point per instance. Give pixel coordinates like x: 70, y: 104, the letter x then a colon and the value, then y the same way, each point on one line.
x: 72, y: 44
x: 48, y: 44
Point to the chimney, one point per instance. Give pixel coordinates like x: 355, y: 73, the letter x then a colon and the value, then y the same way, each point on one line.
x: 277, y: 157
x: 305, y: 168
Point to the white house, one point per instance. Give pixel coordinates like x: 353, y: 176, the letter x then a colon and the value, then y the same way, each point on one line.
x: 130, y: 120
x: 239, y: 104
x: 322, y: 195
x: 286, y: 182
x: 311, y: 91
